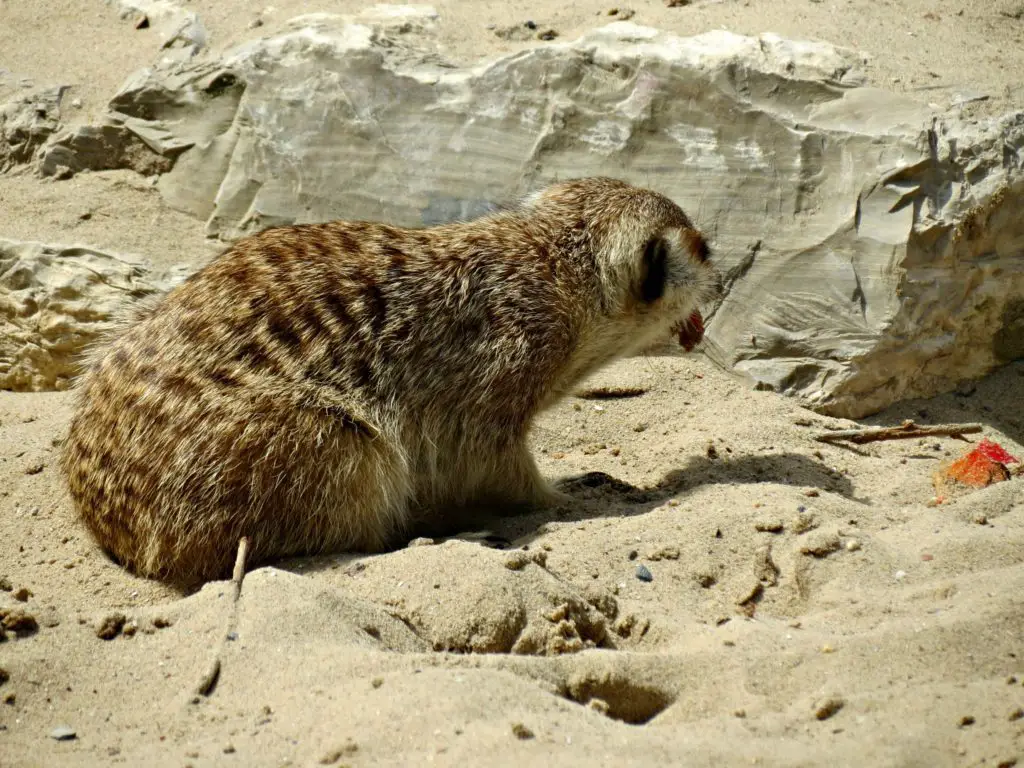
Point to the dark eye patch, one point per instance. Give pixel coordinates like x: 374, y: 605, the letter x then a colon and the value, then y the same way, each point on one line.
x: 655, y: 263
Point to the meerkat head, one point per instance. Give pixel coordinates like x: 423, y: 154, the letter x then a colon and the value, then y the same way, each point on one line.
x: 653, y: 265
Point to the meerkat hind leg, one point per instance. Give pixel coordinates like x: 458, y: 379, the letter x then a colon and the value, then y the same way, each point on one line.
x: 516, y: 484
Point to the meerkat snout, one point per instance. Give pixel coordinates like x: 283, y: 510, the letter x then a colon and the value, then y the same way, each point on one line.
x: 326, y: 387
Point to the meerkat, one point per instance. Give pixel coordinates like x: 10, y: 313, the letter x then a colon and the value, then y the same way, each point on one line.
x: 321, y: 388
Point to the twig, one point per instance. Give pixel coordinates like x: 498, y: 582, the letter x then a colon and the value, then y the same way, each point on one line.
x: 209, y: 678
x: 212, y: 674
x: 238, y: 573
x: 906, y: 430
x: 609, y: 393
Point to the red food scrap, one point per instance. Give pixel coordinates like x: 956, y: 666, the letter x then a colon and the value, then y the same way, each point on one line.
x: 995, y: 452
x: 981, y: 466
x: 691, y: 331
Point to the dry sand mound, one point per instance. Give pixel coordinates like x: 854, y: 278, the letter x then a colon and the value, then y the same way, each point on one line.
x: 800, y: 604
x: 723, y: 590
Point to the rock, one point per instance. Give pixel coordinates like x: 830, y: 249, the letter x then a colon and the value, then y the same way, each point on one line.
x: 877, y: 237
x: 104, y: 147
x: 179, y: 30
x: 4, y: 675
x: 26, y: 123
x: 54, y: 300
x: 63, y: 733
x: 644, y: 573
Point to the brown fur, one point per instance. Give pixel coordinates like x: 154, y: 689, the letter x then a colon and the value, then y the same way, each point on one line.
x: 319, y: 387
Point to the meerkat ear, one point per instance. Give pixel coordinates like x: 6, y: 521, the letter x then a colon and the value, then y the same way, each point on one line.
x: 654, y: 270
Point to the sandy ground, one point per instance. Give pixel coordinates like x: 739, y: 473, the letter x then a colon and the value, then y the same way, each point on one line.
x: 805, y: 605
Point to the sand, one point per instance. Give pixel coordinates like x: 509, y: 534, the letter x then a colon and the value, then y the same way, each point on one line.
x: 724, y: 590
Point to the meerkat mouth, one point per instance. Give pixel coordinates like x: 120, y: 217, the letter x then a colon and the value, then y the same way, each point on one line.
x: 690, y: 331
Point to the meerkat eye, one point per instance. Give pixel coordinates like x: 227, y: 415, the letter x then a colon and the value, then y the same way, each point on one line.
x: 655, y: 270
x: 697, y: 246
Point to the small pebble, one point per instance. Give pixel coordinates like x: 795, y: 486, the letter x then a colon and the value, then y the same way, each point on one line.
x: 825, y: 708
x: 643, y: 573
x: 1017, y: 714
x: 421, y: 541
x: 110, y: 626
x: 229, y: 749
x: 520, y: 731
x: 852, y: 545
x: 22, y: 595
x: 739, y: 713
x: 63, y: 733
x: 4, y: 675
x: 19, y: 622
x: 966, y: 720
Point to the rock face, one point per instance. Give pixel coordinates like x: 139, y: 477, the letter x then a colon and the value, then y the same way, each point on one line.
x: 54, y: 301
x: 874, y: 248
x: 27, y: 122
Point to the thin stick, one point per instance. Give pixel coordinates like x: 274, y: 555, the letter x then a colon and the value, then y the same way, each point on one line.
x: 212, y: 674
x: 906, y: 430
x: 239, y: 570
x: 609, y: 393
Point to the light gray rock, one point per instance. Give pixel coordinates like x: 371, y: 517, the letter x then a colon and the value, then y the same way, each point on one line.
x: 26, y: 123
x: 180, y: 30
x: 873, y: 247
x: 54, y: 301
